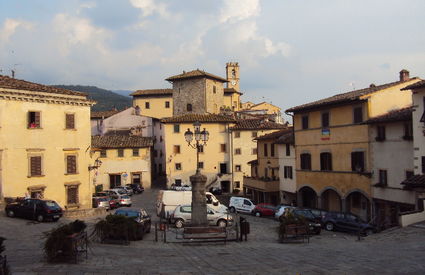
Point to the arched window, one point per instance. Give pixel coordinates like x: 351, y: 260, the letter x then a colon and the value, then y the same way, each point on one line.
x: 189, y: 107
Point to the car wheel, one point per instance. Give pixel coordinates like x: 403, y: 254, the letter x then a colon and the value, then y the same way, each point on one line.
x: 40, y: 218
x: 232, y: 209
x: 128, y: 205
x: 179, y: 223
x: 329, y: 226
x: 222, y: 223
x: 10, y: 213
x: 257, y: 214
x: 368, y: 232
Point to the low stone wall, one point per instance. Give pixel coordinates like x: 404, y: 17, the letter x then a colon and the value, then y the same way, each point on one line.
x: 81, y: 213
x: 406, y: 219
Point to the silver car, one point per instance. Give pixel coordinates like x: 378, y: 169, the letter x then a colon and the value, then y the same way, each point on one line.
x: 124, y: 200
x: 183, y: 213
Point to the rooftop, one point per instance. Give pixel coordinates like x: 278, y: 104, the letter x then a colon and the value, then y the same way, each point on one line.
x: 416, y: 181
x: 153, y: 92
x: 17, y: 84
x: 231, y: 91
x: 103, y: 114
x: 403, y: 114
x: 345, y: 97
x: 195, y: 74
x: 276, y: 135
x: 202, y: 118
x: 120, y: 141
x: 256, y: 124
x: 417, y: 85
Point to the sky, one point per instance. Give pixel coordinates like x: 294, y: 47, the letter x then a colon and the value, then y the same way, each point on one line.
x: 290, y: 52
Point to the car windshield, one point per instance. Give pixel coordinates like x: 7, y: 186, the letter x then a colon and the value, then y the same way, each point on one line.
x: 305, y: 213
x: 52, y: 205
x: 125, y: 197
x: 102, y: 199
x: 127, y: 213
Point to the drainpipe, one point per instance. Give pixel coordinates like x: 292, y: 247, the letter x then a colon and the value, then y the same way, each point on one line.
x: 231, y: 157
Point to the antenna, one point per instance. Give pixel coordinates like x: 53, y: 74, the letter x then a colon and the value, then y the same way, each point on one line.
x: 14, y: 69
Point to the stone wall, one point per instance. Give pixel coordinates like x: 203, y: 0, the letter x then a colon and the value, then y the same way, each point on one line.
x: 215, y: 97
x: 189, y: 91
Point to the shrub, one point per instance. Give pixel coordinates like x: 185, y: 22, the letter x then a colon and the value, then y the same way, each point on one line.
x: 287, y: 219
x: 58, y: 243
x: 118, y: 227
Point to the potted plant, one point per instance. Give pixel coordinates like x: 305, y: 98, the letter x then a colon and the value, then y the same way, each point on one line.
x: 4, y: 268
x: 117, y: 229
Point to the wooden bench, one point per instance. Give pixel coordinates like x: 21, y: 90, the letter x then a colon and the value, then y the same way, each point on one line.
x: 296, y: 232
x: 205, y: 233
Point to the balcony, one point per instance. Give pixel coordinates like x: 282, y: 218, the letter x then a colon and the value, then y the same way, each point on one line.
x: 262, y: 184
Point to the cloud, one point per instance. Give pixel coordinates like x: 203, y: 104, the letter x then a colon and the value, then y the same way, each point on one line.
x: 239, y: 10
x: 10, y: 26
x: 149, y: 7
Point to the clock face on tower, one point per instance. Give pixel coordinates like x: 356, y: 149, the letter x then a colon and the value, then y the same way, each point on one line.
x: 233, y: 82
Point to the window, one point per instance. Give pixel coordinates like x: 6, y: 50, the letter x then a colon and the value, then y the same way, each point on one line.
x: 34, y: 120
x: 71, y: 164
x: 103, y: 153
x: 304, y: 122
x: 272, y: 150
x: 201, y: 165
x: 237, y: 151
x: 358, y: 114
x: 147, y: 105
x: 265, y: 150
x: 409, y: 174
x: 288, y: 149
x: 160, y: 153
x: 254, y: 151
x: 423, y: 165
x: 287, y: 172
x: 137, y: 178
x: 72, y: 194
x: 35, y: 166
x: 160, y: 138
x: 238, y: 168
x: 69, y: 121
x: 223, y: 168
x: 200, y: 148
x: 325, y: 120
x: 380, y: 131
x: 357, y: 161
x: 223, y: 148
x: 189, y: 107
x: 155, y: 153
x: 176, y: 128
x: 167, y: 104
x: 237, y: 184
x: 214, y: 89
x: 135, y: 152
x: 326, y: 161
x: 178, y: 166
x: 408, y: 131
x: 120, y: 153
x: 254, y: 134
x: 305, y: 161
x: 383, y: 177
x: 176, y: 149
x: 237, y: 134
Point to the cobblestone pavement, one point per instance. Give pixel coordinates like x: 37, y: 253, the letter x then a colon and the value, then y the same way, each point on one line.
x: 398, y: 251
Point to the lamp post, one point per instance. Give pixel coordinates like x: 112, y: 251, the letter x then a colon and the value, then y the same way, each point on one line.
x: 199, y: 205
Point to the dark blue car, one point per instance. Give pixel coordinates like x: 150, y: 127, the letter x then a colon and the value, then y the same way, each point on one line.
x: 139, y: 214
x: 347, y: 222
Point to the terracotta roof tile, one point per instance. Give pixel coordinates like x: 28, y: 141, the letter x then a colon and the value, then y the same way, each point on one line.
x: 153, y: 92
x: 120, y: 141
x: 403, y: 114
x: 13, y: 83
x: 231, y: 91
x: 344, y: 98
x: 275, y: 135
x: 416, y: 181
x: 256, y: 124
x: 103, y: 114
x: 202, y: 118
x: 195, y: 74
x: 417, y: 85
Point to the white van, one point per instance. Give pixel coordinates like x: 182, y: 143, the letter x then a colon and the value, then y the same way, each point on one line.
x: 168, y: 200
x: 240, y: 204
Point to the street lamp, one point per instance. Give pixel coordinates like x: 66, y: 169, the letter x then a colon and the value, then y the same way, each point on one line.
x: 97, y: 164
x: 200, y: 136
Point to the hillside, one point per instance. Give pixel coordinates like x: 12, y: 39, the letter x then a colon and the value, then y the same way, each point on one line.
x: 106, y: 100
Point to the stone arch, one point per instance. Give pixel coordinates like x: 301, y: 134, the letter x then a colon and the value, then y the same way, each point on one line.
x: 358, y: 202
x: 307, y: 197
x: 331, y: 199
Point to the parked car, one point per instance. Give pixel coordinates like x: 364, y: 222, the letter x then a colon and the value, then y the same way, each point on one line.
x: 40, y: 210
x: 101, y: 202
x: 114, y: 202
x: 314, y: 223
x: 124, y: 200
x: 264, y: 209
x: 116, y: 191
x: 279, y: 210
x: 319, y: 214
x: 240, y: 204
x: 347, y: 222
x: 216, y: 191
x: 113, y: 198
x: 183, y: 214
x: 139, y: 214
x: 137, y: 188
x: 128, y: 190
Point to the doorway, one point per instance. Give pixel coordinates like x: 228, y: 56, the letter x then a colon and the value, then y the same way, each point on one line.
x: 114, y: 180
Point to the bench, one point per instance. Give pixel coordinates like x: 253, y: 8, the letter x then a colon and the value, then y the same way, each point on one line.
x: 205, y: 233
x: 296, y: 232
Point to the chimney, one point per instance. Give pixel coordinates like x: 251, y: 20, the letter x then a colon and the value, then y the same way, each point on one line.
x: 404, y: 75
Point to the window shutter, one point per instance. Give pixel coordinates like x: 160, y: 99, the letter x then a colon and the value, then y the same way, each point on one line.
x: 37, y: 118
x: 70, y: 121
x: 35, y: 166
x: 72, y: 194
x: 71, y: 164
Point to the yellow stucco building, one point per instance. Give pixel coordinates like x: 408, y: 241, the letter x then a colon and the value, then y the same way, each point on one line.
x: 44, y: 142
x: 157, y: 103
x: 333, y: 167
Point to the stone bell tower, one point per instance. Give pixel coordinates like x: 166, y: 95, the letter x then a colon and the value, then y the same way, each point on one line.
x: 232, y: 75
